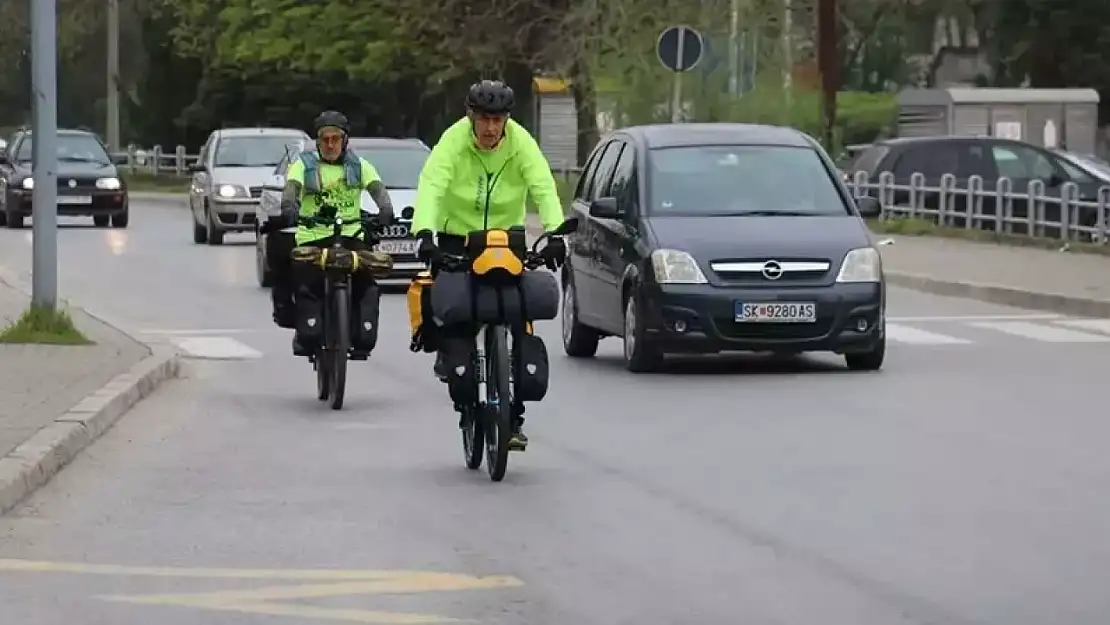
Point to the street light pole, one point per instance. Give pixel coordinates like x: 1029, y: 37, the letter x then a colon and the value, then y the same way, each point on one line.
x: 112, y: 127
x: 44, y: 156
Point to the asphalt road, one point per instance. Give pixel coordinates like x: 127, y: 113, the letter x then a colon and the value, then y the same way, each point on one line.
x: 965, y: 483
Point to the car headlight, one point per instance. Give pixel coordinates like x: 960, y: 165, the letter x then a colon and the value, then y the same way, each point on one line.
x: 676, y: 267
x: 28, y: 183
x: 228, y: 191
x: 110, y: 184
x: 861, y: 265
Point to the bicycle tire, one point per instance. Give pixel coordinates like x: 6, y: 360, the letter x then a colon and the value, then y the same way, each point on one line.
x: 473, y: 438
x: 499, y: 422
x: 339, y: 345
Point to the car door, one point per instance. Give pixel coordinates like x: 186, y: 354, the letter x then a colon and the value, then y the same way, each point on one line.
x: 617, y: 237
x: 200, y: 181
x: 583, y: 243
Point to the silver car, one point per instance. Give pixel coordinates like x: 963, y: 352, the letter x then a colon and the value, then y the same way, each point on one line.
x: 233, y: 166
x: 399, y: 162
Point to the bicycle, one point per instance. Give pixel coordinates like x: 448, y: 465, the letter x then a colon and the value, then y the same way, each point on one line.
x: 490, y: 416
x: 330, y: 356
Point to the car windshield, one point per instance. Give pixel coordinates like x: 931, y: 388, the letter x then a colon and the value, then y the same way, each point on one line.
x: 1091, y: 162
x: 399, y: 167
x: 71, y: 148
x: 741, y: 180
x: 252, y: 151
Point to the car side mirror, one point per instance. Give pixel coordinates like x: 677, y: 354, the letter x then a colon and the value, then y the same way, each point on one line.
x: 869, y: 207
x: 1055, y: 180
x: 605, y: 208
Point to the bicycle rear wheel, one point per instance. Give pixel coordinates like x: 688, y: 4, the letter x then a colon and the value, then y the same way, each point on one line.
x: 499, y: 402
x: 339, y: 344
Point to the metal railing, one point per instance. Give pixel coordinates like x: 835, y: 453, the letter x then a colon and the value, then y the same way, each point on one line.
x: 158, y: 162
x: 1025, y: 212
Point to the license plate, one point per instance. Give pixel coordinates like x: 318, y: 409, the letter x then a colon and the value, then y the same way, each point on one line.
x: 74, y: 199
x: 403, y: 246
x: 776, y: 312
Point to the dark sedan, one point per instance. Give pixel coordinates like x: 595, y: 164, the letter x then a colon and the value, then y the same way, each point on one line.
x: 702, y: 238
x: 88, y: 182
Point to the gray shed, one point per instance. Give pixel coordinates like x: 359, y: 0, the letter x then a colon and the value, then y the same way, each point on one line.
x: 556, y: 122
x: 1053, y: 118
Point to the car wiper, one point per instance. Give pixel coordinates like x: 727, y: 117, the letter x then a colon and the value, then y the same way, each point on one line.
x: 771, y: 213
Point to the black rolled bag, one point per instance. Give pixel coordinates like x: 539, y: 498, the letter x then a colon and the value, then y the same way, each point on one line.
x: 460, y: 297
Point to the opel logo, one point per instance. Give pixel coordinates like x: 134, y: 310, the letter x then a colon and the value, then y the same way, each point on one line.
x: 72, y: 184
x: 772, y: 270
x: 396, y: 231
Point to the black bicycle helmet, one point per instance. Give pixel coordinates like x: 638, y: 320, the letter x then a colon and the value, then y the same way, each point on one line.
x: 490, y: 96
x: 331, y: 118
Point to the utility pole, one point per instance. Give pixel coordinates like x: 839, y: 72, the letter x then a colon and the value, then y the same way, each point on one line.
x: 44, y: 155
x: 112, y: 126
x: 828, y: 63
x: 788, y: 56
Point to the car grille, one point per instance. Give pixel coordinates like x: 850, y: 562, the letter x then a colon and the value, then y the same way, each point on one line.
x: 81, y: 183
x: 749, y: 271
x: 774, y: 331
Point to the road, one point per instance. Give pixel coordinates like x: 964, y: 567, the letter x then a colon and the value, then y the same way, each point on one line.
x: 963, y: 484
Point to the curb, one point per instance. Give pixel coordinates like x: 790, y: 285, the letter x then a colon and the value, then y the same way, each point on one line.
x: 1002, y: 295
x: 39, y: 458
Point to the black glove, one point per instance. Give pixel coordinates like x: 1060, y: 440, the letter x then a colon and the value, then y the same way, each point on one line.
x: 555, y: 252
x: 427, y: 251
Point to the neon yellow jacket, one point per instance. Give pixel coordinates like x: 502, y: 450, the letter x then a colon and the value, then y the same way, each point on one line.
x: 463, y: 188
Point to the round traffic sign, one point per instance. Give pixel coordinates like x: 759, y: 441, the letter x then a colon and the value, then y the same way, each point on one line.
x: 679, y: 48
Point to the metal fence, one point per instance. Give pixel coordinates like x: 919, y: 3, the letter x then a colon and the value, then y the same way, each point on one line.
x: 158, y: 162
x: 1031, y: 211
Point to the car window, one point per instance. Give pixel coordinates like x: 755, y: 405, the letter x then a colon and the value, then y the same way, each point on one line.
x: 620, y: 188
x: 582, y: 188
x: 605, y: 170
x: 736, y: 179
x: 251, y: 151
x: 71, y: 148
x: 398, y: 166
x: 1019, y: 162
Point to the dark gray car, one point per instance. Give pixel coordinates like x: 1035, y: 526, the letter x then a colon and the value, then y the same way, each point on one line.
x: 702, y: 238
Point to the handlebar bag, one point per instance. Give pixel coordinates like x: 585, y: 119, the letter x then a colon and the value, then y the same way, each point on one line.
x: 540, y: 292
x: 497, y: 255
x: 460, y: 297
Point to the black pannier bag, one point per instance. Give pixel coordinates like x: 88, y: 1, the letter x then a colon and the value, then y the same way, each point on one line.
x: 531, y: 369
x: 365, y: 319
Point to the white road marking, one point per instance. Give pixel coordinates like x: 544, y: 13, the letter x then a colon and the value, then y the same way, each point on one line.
x: 202, y: 332
x: 1048, y: 334
x: 1098, y: 325
x: 962, y: 318
x: 216, y: 348
x: 906, y: 334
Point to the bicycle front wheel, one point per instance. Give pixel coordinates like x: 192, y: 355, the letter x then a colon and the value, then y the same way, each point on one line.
x: 499, y: 402
x: 339, y: 344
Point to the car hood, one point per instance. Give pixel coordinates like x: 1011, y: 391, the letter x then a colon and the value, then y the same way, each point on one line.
x: 402, y: 198
x: 72, y: 168
x: 242, y: 176
x: 716, y: 238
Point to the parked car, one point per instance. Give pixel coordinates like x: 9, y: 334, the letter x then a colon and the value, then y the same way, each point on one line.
x: 88, y: 182
x: 702, y: 238
x: 987, y: 157
x: 229, y: 174
x: 398, y: 162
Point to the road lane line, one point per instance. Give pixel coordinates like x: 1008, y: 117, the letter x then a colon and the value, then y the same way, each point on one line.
x: 964, y: 318
x: 906, y: 334
x: 1044, y: 333
x: 216, y: 348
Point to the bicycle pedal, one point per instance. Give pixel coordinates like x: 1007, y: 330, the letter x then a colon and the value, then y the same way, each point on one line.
x: 359, y: 355
x: 518, y: 446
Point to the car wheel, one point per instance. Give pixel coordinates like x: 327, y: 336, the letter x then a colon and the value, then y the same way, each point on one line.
x: 120, y: 220
x: 579, y: 341
x: 870, y: 360
x: 640, y: 355
x: 214, y: 235
x: 265, y: 276
x: 200, y: 231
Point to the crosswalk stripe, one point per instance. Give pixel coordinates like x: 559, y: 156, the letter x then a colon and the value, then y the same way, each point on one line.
x: 1048, y: 334
x: 906, y: 334
x: 215, y: 348
x: 1097, y: 325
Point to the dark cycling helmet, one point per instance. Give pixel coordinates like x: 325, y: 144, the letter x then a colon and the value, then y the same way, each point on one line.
x: 490, y: 96
x: 331, y: 118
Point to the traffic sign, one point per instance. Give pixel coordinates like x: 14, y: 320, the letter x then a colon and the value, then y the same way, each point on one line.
x: 679, y: 48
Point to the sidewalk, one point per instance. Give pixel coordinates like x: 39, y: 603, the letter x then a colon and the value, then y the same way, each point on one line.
x: 1067, y: 282
x: 54, y: 400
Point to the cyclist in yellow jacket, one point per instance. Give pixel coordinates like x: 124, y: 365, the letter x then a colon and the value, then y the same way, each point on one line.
x: 477, y: 177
